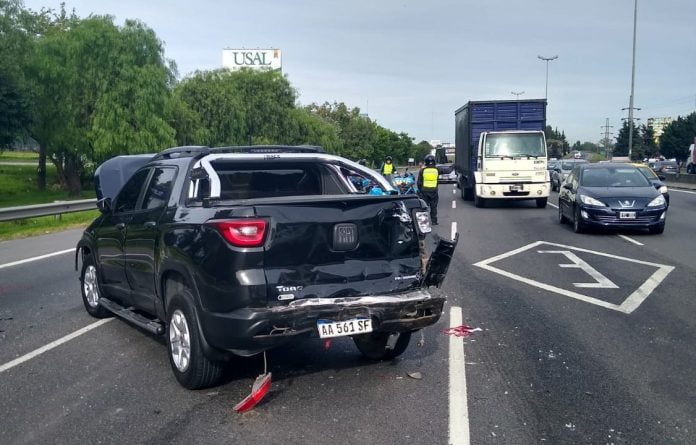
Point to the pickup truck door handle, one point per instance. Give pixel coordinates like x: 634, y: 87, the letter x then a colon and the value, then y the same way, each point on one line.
x: 121, y: 226
x: 150, y: 224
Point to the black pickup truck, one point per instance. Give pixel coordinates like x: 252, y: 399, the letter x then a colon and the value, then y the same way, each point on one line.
x: 232, y: 251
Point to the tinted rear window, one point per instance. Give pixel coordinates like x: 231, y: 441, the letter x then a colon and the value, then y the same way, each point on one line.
x: 249, y: 181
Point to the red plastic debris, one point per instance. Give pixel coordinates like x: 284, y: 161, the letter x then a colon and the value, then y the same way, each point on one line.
x: 460, y: 331
x: 258, y: 391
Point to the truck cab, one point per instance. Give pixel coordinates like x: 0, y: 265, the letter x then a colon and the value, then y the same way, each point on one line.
x: 511, y: 165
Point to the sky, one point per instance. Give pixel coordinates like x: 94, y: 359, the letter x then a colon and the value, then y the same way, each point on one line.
x: 411, y: 64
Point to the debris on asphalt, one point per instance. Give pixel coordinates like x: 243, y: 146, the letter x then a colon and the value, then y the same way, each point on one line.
x: 415, y: 375
x: 421, y: 342
x: 460, y: 331
x: 258, y: 391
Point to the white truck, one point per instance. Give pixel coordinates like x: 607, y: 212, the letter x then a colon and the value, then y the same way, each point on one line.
x: 691, y: 162
x: 501, y: 151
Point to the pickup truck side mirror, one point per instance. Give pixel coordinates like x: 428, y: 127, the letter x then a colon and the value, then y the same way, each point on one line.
x: 568, y: 186
x: 104, y: 205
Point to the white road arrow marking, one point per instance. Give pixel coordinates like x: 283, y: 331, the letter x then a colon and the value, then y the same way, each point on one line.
x: 601, y: 281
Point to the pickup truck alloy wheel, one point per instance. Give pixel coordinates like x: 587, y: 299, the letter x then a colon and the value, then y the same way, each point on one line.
x: 91, y: 292
x: 180, y: 341
x: 89, y: 284
x: 191, y: 367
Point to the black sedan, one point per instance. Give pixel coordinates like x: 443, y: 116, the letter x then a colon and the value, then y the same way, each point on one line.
x: 611, y: 196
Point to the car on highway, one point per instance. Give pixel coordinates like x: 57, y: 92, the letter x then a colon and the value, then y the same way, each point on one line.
x: 233, y: 251
x: 446, y: 174
x: 655, y: 179
x: 664, y: 166
x: 559, y: 175
x: 611, y: 196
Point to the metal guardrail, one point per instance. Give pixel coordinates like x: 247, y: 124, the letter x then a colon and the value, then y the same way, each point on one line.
x: 54, y: 208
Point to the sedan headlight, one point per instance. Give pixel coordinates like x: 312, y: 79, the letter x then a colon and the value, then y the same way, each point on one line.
x: 590, y: 201
x: 663, y: 189
x: 659, y: 201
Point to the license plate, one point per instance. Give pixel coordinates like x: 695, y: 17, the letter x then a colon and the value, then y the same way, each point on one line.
x: 515, y: 188
x: 328, y: 329
x: 627, y: 215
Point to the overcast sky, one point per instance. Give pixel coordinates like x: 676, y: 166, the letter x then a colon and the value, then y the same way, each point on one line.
x: 416, y: 62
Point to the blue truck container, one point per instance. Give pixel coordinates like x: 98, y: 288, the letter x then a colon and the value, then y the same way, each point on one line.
x: 477, y: 117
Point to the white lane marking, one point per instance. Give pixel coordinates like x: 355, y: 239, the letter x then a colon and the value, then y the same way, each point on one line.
x: 629, y: 305
x: 458, y: 405
x: 36, y: 258
x: 454, y: 204
x: 53, y: 344
x: 682, y: 191
x: 454, y: 191
x: 631, y: 240
x: 552, y: 204
x: 454, y: 229
x: 600, y: 282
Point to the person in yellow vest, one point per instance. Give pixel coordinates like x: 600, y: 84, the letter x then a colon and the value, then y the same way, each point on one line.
x: 387, y: 169
x: 427, y: 186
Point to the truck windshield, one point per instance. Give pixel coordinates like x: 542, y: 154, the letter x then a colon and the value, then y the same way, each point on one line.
x: 514, y: 145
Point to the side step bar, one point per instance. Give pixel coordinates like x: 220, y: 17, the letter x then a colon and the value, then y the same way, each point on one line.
x: 153, y: 326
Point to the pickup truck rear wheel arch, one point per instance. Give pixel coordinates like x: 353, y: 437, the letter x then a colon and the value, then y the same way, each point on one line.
x: 175, y: 282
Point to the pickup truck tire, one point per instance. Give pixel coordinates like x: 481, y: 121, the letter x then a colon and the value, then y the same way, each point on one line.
x: 91, y: 292
x: 479, y: 202
x: 374, y: 346
x: 191, y: 367
x: 541, y: 203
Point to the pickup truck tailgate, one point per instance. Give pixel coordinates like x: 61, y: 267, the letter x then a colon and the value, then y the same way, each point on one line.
x: 340, y: 248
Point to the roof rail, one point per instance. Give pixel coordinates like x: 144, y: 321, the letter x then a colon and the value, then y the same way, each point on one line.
x: 269, y: 149
x: 188, y: 150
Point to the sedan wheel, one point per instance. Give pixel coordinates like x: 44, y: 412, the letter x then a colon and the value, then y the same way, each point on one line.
x: 577, y: 223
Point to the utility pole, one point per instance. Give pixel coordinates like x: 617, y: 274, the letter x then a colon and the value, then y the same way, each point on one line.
x: 517, y: 94
x: 606, y: 137
x: 547, y: 60
x: 633, y: 80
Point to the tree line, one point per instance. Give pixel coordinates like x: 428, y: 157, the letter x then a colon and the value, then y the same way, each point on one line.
x: 87, y: 89
x: 673, y: 142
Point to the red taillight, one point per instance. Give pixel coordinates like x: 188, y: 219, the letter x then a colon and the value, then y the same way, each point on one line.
x: 258, y: 391
x: 241, y: 232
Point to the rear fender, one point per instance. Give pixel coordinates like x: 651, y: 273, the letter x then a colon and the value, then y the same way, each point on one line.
x: 439, y: 262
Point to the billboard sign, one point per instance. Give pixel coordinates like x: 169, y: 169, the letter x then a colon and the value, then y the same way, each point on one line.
x: 235, y: 59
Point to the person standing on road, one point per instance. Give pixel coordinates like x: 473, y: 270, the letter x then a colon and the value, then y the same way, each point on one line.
x: 387, y: 169
x: 427, y: 186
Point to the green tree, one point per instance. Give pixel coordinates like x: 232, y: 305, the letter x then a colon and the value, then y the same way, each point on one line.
x: 15, y: 43
x: 557, y: 142
x: 647, y: 141
x: 100, y: 90
x: 621, y: 145
x: 677, y: 136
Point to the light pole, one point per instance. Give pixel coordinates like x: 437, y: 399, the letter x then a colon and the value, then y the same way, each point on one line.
x: 547, y: 60
x: 517, y: 93
x: 633, y: 80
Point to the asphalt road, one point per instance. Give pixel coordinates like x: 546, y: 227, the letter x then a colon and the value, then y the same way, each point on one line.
x: 560, y: 358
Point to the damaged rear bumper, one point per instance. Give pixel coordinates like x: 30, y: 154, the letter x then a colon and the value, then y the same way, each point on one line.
x: 251, y: 330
